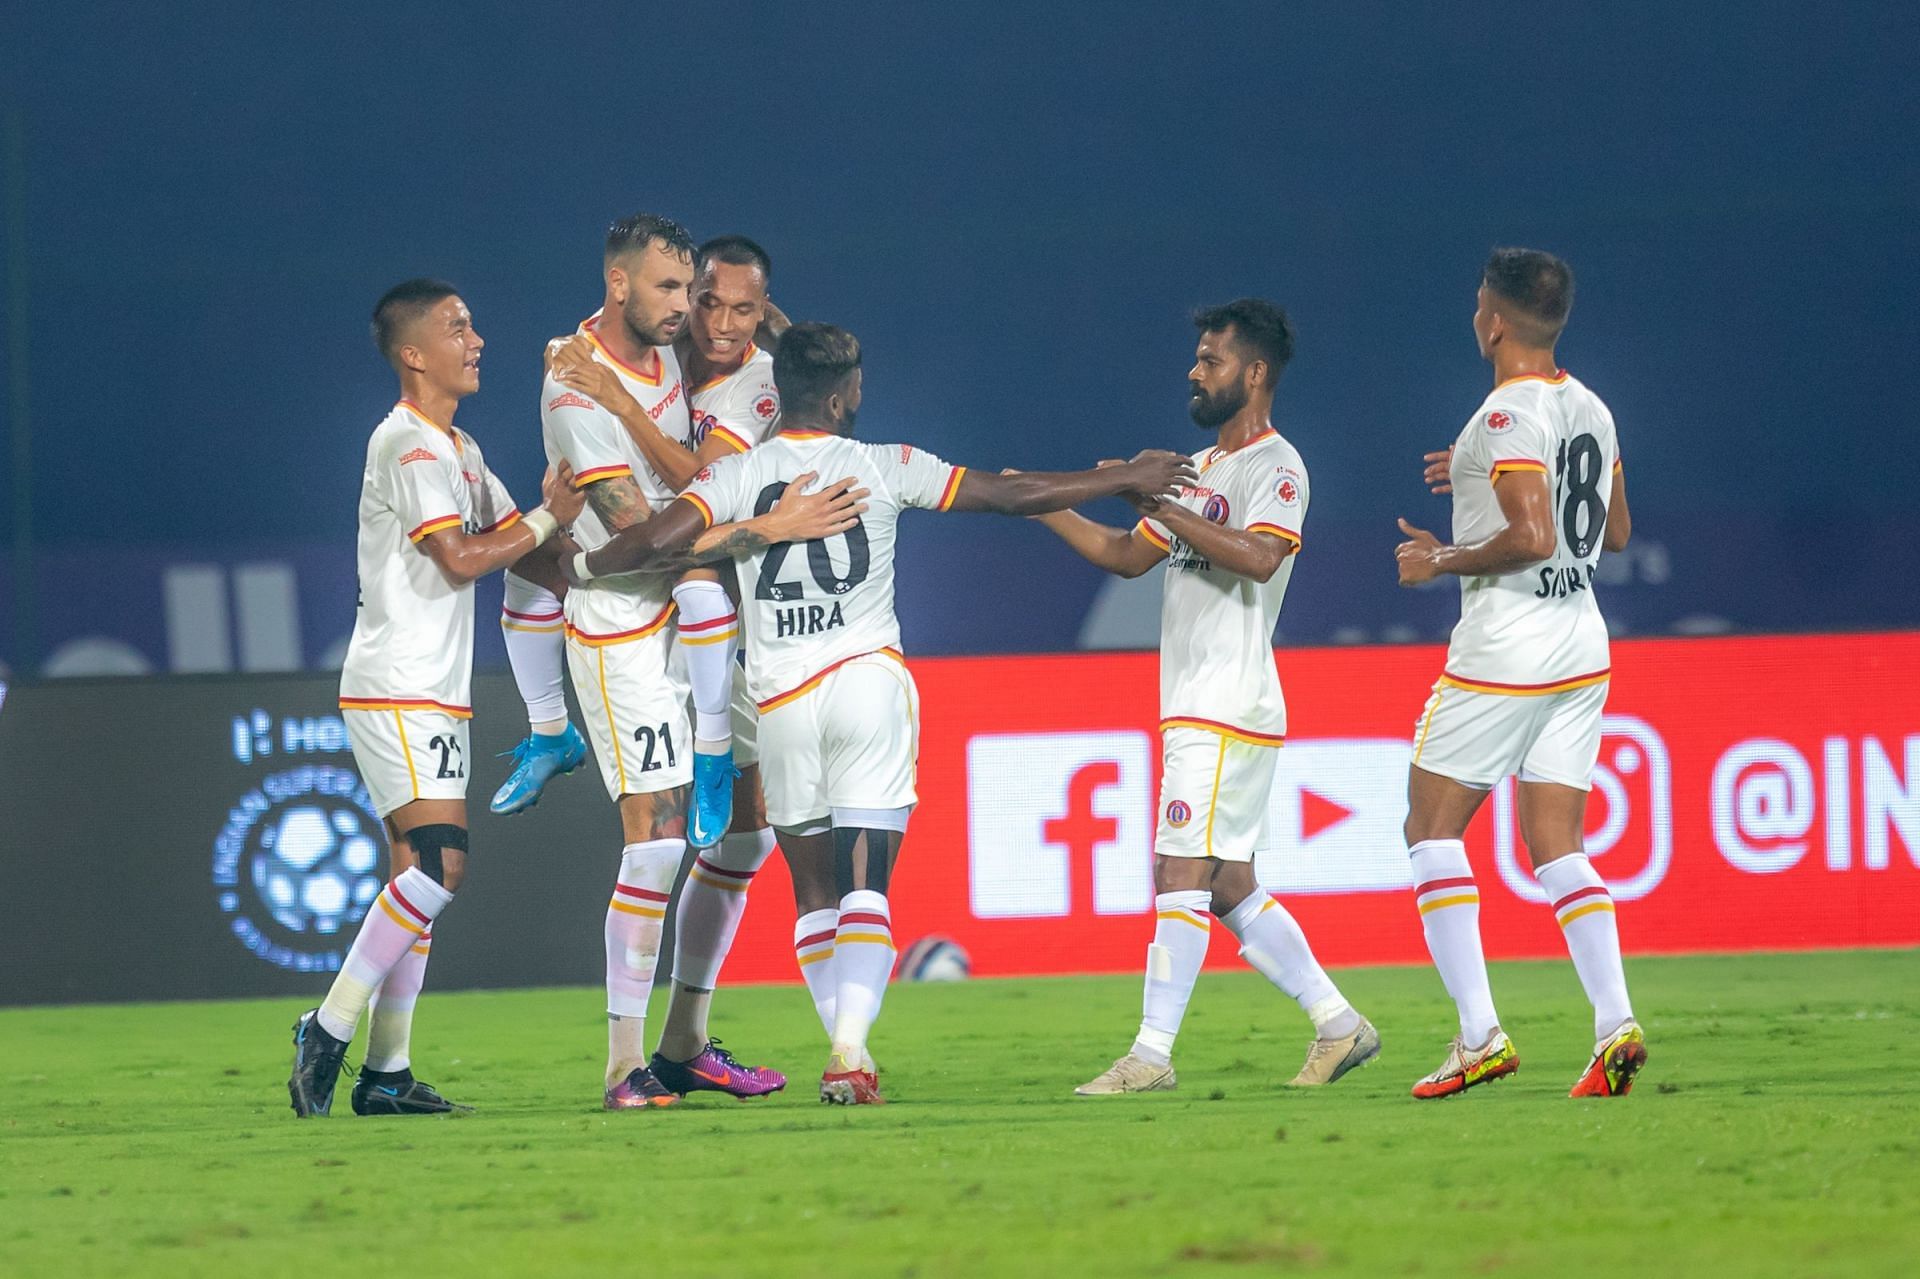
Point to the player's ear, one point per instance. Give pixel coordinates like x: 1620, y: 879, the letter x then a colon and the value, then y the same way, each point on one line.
x: 617, y: 284
x: 411, y: 358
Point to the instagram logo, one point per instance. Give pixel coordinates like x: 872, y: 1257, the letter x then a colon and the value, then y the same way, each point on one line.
x: 1629, y: 815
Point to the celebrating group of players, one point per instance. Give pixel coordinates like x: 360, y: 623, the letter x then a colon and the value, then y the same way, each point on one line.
x: 704, y: 486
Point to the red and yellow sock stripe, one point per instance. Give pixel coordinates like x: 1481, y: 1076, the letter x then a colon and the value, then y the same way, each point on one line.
x: 727, y: 881
x: 1583, y: 902
x: 644, y: 902
x: 717, y: 631
x: 814, y: 947
x: 1438, y: 894
x: 864, y: 926
x: 1180, y: 914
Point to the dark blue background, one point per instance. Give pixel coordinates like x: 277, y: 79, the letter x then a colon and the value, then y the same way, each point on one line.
x: 1014, y: 206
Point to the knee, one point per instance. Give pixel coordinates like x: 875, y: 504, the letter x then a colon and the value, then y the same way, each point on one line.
x: 441, y: 850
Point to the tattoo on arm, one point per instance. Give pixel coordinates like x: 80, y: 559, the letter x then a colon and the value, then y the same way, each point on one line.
x: 732, y: 542
x: 618, y: 502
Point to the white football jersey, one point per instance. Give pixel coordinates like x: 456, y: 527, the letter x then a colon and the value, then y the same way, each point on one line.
x: 1538, y: 630
x: 808, y: 606
x: 412, y: 644
x: 597, y: 445
x: 1216, y: 628
x: 741, y: 407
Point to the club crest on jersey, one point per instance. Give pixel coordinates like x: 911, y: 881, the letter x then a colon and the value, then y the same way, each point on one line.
x: 1498, y: 421
x: 415, y: 455
x: 703, y: 424
x: 1179, y: 813
x: 1216, y: 508
x: 766, y: 408
x: 569, y: 399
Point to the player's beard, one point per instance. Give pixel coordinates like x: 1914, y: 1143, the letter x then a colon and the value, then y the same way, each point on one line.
x: 846, y: 422
x: 642, y: 332
x: 1211, y: 412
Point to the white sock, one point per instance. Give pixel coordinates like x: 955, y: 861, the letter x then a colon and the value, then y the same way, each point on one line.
x: 813, y: 948
x: 712, y: 903
x: 404, y: 910
x: 635, y: 918
x: 1584, y: 908
x: 532, y: 622
x: 1272, y: 943
x: 709, y: 627
x: 390, y: 1014
x: 1181, y: 929
x: 1449, y: 903
x: 862, y: 963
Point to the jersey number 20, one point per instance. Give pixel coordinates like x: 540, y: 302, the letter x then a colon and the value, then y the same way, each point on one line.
x: 770, y: 587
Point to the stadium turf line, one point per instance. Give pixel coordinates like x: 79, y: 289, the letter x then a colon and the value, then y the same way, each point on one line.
x: 1775, y: 1131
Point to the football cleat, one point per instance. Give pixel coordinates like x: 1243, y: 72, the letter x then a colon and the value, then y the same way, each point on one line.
x: 397, y: 1092
x: 537, y: 760
x: 1616, y: 1060
x: 840, y: 1086
x: 316, y: 1066
x: 712, y: 798
x: 1328, y: 1059
x: 1129, y: 1074
x: 1465, y: 1067
x: 638, y: 1091
x: 715, y: 1070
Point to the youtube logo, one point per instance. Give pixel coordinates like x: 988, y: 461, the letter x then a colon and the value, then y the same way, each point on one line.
x: 1334, y: 820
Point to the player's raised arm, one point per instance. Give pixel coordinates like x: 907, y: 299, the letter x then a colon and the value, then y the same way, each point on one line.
x: 679, y: 537
x: 465, y: 557
x: 1524, y: 540
x: 1619, y: 521
x: 1152, y: 473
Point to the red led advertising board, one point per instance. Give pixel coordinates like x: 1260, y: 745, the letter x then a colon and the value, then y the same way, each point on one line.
x: 1752, y: 794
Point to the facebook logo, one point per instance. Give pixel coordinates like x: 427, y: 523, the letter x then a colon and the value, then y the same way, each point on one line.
x: 1057, y: 819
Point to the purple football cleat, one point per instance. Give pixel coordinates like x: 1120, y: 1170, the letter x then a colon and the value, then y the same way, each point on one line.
x: 715, y: 1070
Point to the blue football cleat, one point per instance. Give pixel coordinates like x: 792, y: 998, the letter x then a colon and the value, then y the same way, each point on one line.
x: 712, y: 798
x: 536, y: 761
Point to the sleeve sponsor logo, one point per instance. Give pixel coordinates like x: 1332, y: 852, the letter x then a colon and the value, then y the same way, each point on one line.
x: 570, y: 399
x: 1498, y: 421
x: 1288, y: 488
x: 706, y: 473
x: 416, y: 455
x: 766, y: 408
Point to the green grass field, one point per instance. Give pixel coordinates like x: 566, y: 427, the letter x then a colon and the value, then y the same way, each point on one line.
x: 1775, y: 1132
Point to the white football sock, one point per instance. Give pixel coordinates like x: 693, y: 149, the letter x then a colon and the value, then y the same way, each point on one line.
x: 1181, y: 930
x: 862, y: 963
x: 1584, y: 908
x: 813, y: 948
x: 532, y: 622
x: 1272, y: 943
x: 390, y: 1014
x: 1449, y: 903
x: 635, y: 918
x: 712, y: 903
x: 404, y: 910
x: 709, y: 628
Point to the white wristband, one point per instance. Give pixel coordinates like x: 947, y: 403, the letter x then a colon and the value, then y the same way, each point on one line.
x: 542, y: 522
x: 581, y: 573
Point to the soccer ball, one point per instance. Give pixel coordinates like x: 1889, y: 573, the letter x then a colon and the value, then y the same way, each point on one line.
x: 935, y: 959
x: 316, y: 867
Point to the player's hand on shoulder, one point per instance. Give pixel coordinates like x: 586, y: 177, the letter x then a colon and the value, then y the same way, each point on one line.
x: 1416, y: 555
x: 575, y: 368
x: 1158, y: 473
x: 1439, y: 473
x: 563, y: 501
x: 800, y: 516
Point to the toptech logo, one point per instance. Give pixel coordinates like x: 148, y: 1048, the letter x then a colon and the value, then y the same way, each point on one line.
x: 1056, y: 818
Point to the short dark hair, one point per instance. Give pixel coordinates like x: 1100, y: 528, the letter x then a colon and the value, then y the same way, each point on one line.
x: 1537, y: 285
x: 814, y: 361
x: 401, y: 307
x: 1258, y: 325
x: 734, y: 250
x: 631, y: 234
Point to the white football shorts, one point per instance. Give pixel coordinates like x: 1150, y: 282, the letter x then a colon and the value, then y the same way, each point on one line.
x: 847, y: 739
x: 633, y: 695
x: 1479, y: 738
x: 1214, y: 790
x: 407, y: 753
